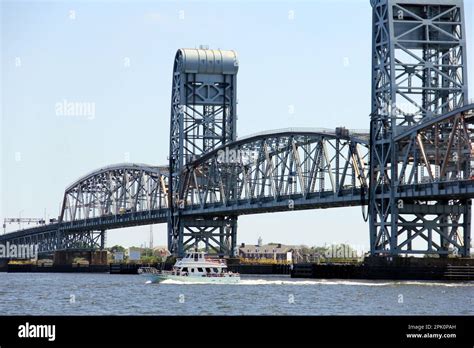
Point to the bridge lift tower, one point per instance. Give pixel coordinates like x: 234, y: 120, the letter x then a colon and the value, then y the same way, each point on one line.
x: 203, y: 117
x: 419, y: 72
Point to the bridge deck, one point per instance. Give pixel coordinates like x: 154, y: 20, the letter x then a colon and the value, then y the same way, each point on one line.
x: 320, y: 200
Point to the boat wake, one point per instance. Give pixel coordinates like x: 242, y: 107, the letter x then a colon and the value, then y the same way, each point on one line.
x: 322, y: 282
x: 308, y: 282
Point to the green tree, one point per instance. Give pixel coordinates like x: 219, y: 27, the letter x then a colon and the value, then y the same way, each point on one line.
x: 150, y: 259
x: 116, y: 248
x: 321, y: 250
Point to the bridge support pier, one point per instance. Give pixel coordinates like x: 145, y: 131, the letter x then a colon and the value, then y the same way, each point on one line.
x: 88, y: 245
x: 215, y: 235
x: 91, y: 240
x: 426, y: 227
x: 103, y: 239
x: 66, y: 257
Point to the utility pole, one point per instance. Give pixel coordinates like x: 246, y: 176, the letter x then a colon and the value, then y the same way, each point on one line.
x: 151, y: 240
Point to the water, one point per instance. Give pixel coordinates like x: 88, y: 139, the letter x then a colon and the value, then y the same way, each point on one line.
x: 104, y: 294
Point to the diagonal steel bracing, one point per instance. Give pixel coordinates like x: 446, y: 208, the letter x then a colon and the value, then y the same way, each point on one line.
x: 419, y: 73
x: 203, y: 117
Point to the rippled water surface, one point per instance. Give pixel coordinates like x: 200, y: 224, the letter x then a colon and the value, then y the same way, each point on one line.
x: 99, y: 294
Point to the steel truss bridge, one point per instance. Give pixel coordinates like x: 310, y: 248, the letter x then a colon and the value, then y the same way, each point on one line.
x: 413, y: 169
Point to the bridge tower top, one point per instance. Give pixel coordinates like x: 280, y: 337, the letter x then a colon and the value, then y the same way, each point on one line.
x: 206, y: 61
x: 203, y: 105
x: 419, y: 60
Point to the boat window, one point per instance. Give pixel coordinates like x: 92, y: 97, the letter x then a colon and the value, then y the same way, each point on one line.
x: 215, y: 270
x: 208, y: 270
x: 200, y: 256
x: 192, y: 269
x: 185, y: 269
x: 196, y: 257
x: 199, y: 269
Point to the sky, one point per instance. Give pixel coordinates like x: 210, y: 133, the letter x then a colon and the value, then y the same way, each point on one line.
x: 309, y: 57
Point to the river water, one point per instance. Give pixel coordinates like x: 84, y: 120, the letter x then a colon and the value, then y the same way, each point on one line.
x: 105, y: 294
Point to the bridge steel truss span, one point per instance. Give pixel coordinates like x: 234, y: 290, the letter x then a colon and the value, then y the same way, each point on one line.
x: 116, y: 190
x: 419, y: 74
x: 115, y: 196
x: 279, y: 171
x: 283, y: 170
x: 203, y: 117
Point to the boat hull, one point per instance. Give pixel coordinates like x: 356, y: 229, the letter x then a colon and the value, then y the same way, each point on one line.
x: 159, y: 278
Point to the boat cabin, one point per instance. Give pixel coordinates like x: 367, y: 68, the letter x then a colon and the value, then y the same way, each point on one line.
x: 196, y: 263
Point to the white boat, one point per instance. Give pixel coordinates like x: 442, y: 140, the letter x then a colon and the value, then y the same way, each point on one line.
x: 194, y: 267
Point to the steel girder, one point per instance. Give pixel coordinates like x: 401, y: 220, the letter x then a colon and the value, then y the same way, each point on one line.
x: 419, y: 73
x: 277, y: 171
x: 54, y: 240
x: 203, y: 117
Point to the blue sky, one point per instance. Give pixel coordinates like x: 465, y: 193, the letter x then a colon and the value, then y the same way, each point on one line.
x: 312, y: 55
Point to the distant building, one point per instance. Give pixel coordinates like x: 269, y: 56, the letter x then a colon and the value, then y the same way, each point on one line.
x: 277, y: 252
x: 119, y: 256
x: 161, y: 251
x: 134, y: 254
